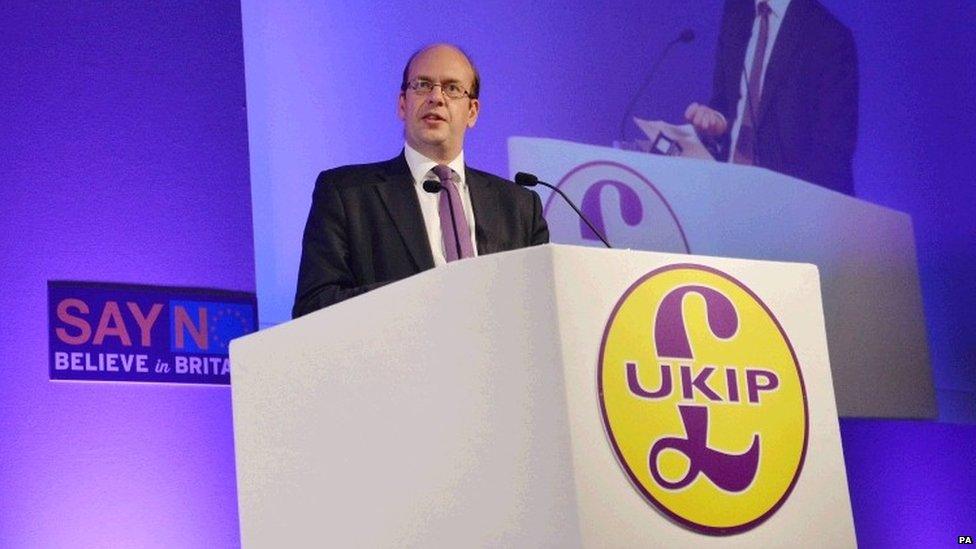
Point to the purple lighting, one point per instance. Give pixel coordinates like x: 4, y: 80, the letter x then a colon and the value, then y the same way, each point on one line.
x: 912, y: 483
x: 124, y: 159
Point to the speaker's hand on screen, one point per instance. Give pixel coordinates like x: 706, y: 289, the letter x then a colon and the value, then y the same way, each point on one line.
x: 707, y: 121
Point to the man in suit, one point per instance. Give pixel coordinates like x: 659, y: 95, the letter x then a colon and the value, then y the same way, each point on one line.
x: 372, y: 224
x: 784, y: 91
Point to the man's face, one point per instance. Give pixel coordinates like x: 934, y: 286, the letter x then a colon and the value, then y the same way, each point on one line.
x: 434, y: 124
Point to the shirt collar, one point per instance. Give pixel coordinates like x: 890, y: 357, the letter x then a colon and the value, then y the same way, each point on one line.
x: 778, y: 7
x: 420, y: 165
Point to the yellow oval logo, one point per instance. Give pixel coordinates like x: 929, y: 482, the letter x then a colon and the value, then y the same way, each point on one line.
x: 703, y: 399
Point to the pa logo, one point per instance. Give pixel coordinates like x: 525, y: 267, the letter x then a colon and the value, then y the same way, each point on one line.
x: 703, y: 399
x: 621, y: 203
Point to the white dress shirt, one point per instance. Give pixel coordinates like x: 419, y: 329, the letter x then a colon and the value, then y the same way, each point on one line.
x: 420, y: 169
x: 778, y: 10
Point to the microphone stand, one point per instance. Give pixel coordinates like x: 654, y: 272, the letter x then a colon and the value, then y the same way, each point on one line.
x: 529, y: 180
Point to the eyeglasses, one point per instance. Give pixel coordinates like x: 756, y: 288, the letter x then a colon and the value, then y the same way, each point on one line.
x: 452, y: 90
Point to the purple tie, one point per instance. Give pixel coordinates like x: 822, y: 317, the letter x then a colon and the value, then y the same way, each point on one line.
x: 450, y: 192
x: 745, y: 146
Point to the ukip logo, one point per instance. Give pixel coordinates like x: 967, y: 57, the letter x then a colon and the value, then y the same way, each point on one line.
x: 703, y: 399
x: 622, y: 204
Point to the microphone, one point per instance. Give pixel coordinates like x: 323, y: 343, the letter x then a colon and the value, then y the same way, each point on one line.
x: 683, y: 37
x: 435, y: 187
x: 529, y: 180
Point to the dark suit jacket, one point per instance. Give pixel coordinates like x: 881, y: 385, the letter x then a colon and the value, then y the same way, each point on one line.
x: 808, y: 112
x: 366, y: 229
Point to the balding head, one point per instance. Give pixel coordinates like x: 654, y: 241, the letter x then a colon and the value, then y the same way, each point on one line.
x: 437, y: 113
x: 474, y: 86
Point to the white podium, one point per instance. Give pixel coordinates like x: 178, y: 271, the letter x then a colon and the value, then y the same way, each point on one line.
x: 865, y: 253
x: 519, y: 400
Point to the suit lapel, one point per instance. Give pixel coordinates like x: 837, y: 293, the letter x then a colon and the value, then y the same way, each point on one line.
x: 485, y: 206
x: 782, y: 57
x: 400, y: 200
x: 739, y: 42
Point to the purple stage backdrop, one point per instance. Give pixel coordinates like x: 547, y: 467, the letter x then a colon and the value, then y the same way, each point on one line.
x: 321, y: 93
x: 912, y: 483
x: 322, y: 84
x: 124, y: 159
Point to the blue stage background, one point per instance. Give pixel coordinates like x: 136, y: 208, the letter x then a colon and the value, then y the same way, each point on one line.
x: 323, y: 80
x: 125, y: 159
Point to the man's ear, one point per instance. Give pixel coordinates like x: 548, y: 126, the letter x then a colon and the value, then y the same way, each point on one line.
x: 473, y: 109
x: 402, y: 106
